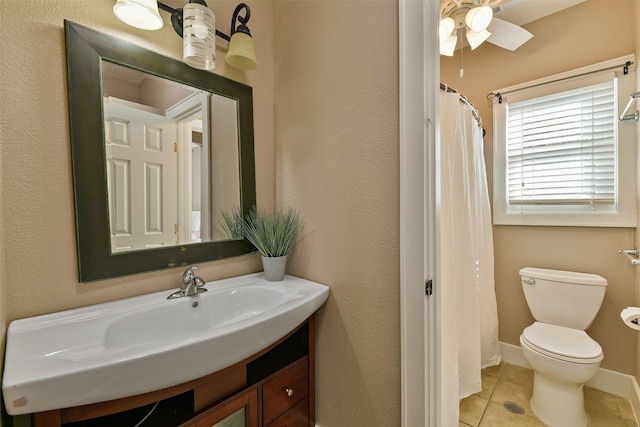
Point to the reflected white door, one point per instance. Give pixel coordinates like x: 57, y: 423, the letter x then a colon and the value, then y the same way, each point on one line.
x: 142, y: 178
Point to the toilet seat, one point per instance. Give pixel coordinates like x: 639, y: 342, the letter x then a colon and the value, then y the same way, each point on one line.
x: 559, y: 342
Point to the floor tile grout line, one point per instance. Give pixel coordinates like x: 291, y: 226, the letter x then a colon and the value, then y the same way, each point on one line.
x: 500, y: 374
x: 491, y: 394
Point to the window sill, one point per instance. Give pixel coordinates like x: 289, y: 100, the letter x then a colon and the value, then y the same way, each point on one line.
x: 568, y: 220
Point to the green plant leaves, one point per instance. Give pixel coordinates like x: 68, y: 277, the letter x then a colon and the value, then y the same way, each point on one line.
x: 273, y: 232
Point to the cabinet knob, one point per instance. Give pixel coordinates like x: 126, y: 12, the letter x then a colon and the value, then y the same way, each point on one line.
x: 289, y: 391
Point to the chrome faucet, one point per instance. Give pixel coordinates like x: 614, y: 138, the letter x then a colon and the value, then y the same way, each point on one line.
x: 191, y: 284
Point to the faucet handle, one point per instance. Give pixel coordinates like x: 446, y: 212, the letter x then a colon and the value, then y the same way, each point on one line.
x: 189, y: 275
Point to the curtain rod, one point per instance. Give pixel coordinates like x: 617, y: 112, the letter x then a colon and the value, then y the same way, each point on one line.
x: 498, y: 95
x: 464, y: 100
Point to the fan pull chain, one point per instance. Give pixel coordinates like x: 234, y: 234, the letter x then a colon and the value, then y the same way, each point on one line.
x: 461, y: 55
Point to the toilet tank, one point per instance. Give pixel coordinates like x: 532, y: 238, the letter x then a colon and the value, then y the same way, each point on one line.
x: 563, y: 298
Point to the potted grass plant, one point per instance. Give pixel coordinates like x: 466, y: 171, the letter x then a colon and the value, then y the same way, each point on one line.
x: 274, y: 233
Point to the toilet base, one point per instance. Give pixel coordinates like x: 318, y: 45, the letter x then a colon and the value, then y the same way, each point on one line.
x: 558, y: 403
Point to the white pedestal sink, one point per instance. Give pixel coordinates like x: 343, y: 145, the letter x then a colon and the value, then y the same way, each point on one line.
x: 146, y: 343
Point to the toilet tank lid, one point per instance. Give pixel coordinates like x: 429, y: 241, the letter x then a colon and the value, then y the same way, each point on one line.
x: 563, y: 276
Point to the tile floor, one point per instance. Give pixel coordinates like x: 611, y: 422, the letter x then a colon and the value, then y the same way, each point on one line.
x: 511, y: 383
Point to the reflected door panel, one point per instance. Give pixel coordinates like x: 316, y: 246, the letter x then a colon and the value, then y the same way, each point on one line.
x: 141, y: 176
x: 140, y: 108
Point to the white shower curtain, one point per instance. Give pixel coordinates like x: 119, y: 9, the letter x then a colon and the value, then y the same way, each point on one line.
x: 469, y: 329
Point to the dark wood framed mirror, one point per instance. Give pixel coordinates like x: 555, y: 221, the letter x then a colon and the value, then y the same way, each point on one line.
x: 103, y: 215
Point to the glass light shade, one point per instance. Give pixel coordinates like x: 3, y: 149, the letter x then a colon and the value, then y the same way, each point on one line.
x: 449, y: 46
x: 479, y: 18
x: 199, y: 36
x: 242, y: 52
x: 141, y: 14
x: 476, y: 38
x: 447, y: 26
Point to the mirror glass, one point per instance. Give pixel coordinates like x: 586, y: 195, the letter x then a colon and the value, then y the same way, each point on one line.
x: 162, y: 157
x: 172, y: 164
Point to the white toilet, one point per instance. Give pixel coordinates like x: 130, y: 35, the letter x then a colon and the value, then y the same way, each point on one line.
x: 562, y: 355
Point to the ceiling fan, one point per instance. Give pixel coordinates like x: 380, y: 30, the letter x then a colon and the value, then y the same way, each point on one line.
x: 476, y: 19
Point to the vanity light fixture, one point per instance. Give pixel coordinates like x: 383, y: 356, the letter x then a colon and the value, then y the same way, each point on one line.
x: 196, y: 25
x: 141, y: 14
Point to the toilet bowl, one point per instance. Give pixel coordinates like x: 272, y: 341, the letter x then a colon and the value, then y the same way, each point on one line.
x: 562, y: 355
x: 563, y: 359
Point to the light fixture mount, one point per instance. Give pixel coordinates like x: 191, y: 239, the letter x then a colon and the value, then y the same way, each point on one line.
x: 457, y: 13
x: 469, y: 16
x: 242, y: 27
x: 458, y: 9
x: 241, y: 53
x: 176, y: 19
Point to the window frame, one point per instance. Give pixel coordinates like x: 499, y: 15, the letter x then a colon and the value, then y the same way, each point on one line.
x: 623, y: 212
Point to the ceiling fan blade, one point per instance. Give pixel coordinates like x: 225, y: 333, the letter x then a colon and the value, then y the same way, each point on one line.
x: 507, y: 35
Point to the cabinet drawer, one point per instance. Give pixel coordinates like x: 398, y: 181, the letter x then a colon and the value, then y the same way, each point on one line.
x: 298, y: 416
x: 285, y: 390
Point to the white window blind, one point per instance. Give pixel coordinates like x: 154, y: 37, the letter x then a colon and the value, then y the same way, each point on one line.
x: 561, y: 148
x: 561, y: 157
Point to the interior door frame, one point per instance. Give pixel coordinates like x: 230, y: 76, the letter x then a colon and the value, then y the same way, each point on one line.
x: 419, y: 215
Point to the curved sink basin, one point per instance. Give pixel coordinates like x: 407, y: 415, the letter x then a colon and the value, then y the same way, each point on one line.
x: 146, y: 343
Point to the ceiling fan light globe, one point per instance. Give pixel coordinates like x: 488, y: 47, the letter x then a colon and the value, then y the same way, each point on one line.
x: 449, y: 46
x: 476, y: 38
x: 447, y: 26
x: 479, y: 18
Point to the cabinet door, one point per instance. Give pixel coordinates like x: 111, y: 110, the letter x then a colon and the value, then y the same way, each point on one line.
x: 241, y: 411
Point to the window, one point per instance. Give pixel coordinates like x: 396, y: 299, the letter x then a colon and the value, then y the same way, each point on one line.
x: 561, y: 157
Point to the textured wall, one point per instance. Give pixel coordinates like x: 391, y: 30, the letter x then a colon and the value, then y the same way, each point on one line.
x: 39, y: 273
x: 337, y: 148
x: 588, y: 33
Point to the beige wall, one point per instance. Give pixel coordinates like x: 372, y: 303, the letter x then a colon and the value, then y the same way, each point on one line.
x: 591, y: 32
x: 38, y: 234
x: 337, y: 160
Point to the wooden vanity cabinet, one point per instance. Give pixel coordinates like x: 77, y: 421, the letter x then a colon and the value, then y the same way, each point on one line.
x: 274, y: 388
x: 284, y: 402
x: 243, y: 406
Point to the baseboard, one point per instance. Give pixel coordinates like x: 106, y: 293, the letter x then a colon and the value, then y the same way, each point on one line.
x: 513, y: 354
x: 613, y: 382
